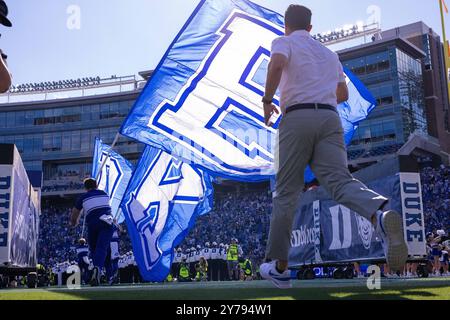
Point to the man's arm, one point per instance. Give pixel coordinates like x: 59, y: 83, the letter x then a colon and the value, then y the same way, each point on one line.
x: 342, y: 89
x: 342, y: 92
x: 276, y: 66
x: 74, y: 217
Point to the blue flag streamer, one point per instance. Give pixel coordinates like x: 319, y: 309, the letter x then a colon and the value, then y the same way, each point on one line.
x: 202, y: 103
x: 114, y: 175
x: 163, y: 200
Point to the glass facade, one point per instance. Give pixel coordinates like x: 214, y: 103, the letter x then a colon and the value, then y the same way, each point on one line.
x: 59, y: 140
x: 395, y: 80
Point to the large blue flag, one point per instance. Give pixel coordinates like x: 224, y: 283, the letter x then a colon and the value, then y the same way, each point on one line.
x: 113, y: 172
x: 162, y: 202
x: 202, y: 103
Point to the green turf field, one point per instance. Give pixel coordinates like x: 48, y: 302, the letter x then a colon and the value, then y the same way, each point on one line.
x: 416, y: 289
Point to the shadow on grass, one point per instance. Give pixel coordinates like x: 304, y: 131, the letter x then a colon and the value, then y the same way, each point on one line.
x: 439, y: 292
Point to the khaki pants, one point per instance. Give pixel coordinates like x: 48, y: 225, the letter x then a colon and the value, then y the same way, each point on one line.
x: 316, y: 138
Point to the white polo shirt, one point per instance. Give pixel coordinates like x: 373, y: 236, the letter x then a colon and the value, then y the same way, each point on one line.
x: 312, y: 73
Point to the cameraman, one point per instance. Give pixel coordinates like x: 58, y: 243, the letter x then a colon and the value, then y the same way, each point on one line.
x: 5, y: 76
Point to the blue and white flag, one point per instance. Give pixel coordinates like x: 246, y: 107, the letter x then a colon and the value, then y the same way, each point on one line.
x: 203, y: 102
x: 113, y: 177
x: 162, y: 202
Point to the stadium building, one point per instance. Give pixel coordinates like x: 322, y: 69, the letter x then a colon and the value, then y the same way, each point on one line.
x: 436, y: 89
x: 404, y: 69
x: 54, y: 126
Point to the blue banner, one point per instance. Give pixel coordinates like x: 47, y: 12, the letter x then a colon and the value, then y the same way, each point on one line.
x: 113, y: 172
x: 202, y: 103
x: 335, y: 233
x: 163, y: 200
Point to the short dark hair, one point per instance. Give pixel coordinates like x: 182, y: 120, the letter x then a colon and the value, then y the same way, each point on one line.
x: 298, y: 17
x: 90, y: 184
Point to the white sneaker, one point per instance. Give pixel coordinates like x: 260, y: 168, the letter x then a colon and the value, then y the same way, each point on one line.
x: 269, y: 272
x: 390, y: 229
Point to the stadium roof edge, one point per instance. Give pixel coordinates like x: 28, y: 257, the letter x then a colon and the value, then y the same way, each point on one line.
x: 109, y: 97
x: 374, y: 47
x: 413, y: 29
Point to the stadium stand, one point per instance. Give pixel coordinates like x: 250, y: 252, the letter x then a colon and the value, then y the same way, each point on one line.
x: 436, y: 196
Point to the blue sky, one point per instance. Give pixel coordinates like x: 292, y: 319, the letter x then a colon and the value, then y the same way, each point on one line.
x: 123, y: 37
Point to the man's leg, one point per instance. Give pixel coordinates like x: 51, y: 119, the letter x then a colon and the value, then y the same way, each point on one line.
x: 294, y: 151
x: 91, y: 239
x: 296, y: 140
x: 105, y: 233
x: 329, y: 163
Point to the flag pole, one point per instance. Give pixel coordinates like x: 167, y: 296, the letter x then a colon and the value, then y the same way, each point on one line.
x: 446, y: 47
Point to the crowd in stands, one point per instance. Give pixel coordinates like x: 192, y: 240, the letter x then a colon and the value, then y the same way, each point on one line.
x: 64, y: 180
x: 63, y: 186
x: 436, y: 197
x: 244, y: 216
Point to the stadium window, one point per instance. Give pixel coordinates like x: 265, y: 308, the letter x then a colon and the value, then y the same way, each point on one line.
x: 66, y: 141
x: 37, y: 144
x: 104, y: 111
x: 20, y: 118
x: 371, y: 68
x: 85, y: 142
x: 57, y: 142
x: 75, y: 145
x: 28, y: 144
x: 114, y: 110
x: 359, y: 71
x: 385, y: 101
x: 95, y: 112
x: 384, y: 65
x: 86, y: 114
x: 29, y: 118
x: 2, y: 120
x: 48, y: 113
x: 10, y: 120
x: 124, y: 108
x: 47, y: 143
x: 57, y: 120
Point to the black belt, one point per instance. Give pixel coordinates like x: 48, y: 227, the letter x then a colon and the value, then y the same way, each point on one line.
x: 303, y: 106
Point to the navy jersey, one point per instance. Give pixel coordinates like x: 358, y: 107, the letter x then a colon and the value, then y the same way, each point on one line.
x: 95, y: 204
x: 82, y: 252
